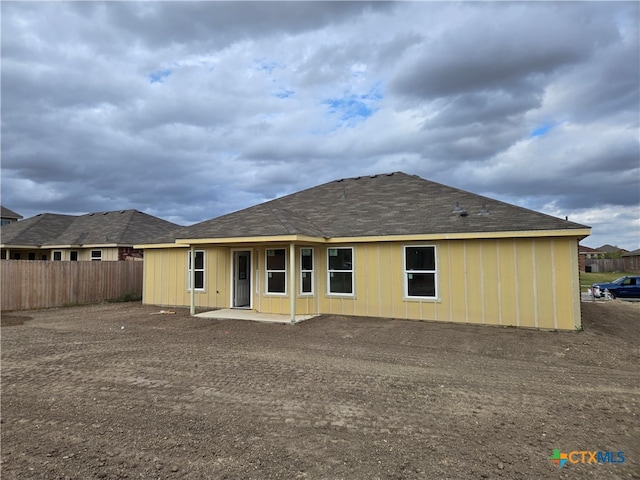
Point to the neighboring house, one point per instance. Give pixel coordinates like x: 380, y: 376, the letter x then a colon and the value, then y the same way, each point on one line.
x: 391, y: 245
x: 590, y: 252
x: 8, y: 216
x: 631, y: 261
x: 94, y: 236
x: 587, y: 253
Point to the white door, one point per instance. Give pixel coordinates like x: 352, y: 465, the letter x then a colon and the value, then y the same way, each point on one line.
x: 242, y: 279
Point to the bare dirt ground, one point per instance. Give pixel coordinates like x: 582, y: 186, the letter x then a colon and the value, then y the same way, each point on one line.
x: 111, y: 391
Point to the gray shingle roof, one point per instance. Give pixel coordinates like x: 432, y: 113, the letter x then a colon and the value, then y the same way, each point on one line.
x: 8, y: 213
x: 122, y: 227
x: 378, y: 205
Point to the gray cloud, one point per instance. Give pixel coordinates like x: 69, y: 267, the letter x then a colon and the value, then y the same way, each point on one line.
x: 191, y: 110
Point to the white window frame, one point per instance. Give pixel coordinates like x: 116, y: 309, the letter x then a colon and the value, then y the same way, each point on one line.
x: 267, y: 272
x: 53, y: 255
x: 204, y: 263
x: 352, y: 271
x: 96, y: 259
x: 308, y: 272
x: 406, y: 272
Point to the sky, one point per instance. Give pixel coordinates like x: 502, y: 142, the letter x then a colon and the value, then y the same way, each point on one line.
x: 190, y: 110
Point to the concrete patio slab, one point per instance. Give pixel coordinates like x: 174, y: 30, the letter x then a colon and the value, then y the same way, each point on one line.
x: 252, y: 315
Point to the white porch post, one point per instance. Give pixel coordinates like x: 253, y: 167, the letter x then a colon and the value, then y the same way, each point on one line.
x: 292, y: 281
x: 192, y: 280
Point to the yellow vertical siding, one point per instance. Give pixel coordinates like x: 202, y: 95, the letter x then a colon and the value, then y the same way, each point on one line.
x: 165, y: 272
x: 511, y: 282
x: 490, y: 283
x: 543, y: 293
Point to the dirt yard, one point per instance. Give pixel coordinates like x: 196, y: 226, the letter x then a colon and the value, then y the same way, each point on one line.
x: 111, y: 391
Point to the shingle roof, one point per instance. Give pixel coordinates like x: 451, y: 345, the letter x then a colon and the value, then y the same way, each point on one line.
x: 378, y: 205
x: 585, y: 249
x: 611, y: 249
x: 8, y: 213
x: 122, y: 227
x: 633, y: 253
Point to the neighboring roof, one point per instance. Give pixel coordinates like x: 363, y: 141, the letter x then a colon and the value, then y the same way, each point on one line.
x: 633, y: 253
x: 121, y: 227
x: 611, y: 249
x: 377, y: 205
x: 8, y: 213
x: 584, y: 249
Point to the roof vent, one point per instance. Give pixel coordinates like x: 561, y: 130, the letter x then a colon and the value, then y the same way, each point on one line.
x: 105, y: 213
x: 484, y: 211
x: 91, y: 214
x: 461, y: 212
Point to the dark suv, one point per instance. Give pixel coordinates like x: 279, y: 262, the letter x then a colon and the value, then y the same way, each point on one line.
x: 623, y: 287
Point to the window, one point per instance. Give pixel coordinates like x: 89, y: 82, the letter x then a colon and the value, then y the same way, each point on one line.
x: 96, y: 255
x: 420, y: 271
x: 5, y: 222
x: 73, y: 256
x: 32, y: 255
x: 57, y: 256
x: 43, y: 257
x: 199, y: 270
x: 276, y: 270
x: 340, y: 270
x: 306, y: 271
x: 16, y: 256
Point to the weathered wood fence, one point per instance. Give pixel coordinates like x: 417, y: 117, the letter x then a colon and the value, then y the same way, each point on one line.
x: 28, y: 284
x: 604, y: 265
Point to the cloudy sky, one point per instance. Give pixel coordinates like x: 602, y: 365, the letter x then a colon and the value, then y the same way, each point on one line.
x: 190, y: 110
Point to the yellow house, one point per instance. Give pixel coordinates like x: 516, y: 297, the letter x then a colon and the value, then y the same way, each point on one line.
x: 98, y: 236
x: 391, y: 245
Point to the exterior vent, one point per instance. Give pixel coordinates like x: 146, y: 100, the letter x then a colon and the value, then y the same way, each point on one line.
x: 461, y: 212
x: 484, y: 211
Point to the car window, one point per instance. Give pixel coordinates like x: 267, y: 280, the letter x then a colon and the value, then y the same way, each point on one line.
x: 619, y: 281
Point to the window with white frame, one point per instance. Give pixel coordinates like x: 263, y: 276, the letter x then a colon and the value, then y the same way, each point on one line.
x: 306, y: 271
x: 276, y: 270
x: 57, y: 256
x: 96, y: 255
x: 420, y: 271
x: 198, y: 270
x: 340, y: 270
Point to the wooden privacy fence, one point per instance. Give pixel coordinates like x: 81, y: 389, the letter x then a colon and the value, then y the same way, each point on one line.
x: 28, y: 284
x: 604, y: 265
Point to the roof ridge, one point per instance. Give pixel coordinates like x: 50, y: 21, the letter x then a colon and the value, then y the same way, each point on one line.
x: 132, y: 213
x: 285, y: 218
